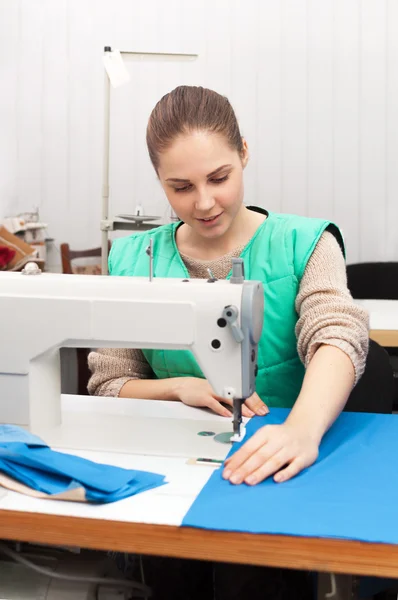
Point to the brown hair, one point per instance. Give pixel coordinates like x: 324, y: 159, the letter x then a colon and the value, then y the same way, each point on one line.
x: 186, y: 109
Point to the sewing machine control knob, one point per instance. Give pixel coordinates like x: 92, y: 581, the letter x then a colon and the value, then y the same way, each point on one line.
x: 31, y: 268
x: 230, y: 314
x: 238, y: 271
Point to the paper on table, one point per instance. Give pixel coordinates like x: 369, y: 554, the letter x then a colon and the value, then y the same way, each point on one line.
x: 74, y: 495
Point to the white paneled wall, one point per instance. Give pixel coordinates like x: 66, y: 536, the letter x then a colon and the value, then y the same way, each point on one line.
x: 314, y: 84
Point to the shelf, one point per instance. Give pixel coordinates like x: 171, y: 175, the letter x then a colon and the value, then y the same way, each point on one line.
x: 122, y: 225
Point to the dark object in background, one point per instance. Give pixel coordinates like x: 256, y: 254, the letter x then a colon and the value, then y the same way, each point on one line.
x: 377, y: 281
x: 375, y: 391
x: 182, y: 579
x: 373, y: 280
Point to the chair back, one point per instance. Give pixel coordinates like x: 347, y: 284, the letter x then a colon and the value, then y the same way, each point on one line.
x: 375, y: 390
x: 373, y: 281
x: 68, y: 255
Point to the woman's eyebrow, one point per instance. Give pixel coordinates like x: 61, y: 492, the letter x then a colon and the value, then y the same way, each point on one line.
x: 177, y: 180
x: 218, y: 170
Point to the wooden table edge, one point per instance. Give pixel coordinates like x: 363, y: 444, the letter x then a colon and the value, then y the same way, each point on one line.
x: 316, y: 554
x: 385, y: 337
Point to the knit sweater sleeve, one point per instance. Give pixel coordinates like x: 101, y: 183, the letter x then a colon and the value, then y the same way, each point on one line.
x: 327, y: 312
x: 111, y: 368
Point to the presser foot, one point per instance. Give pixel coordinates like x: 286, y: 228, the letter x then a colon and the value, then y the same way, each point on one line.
x: 239, y: 436
x: 239, y: 430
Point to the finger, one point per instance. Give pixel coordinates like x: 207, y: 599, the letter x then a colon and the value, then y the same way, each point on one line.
x: 258, y: 440
x: 265, y: 461
x: 255, y: 404
x: 246, y: 412
x: 290, y: 471
x: 273, y: 465
x: 228, y: 401
x: 218, y: 408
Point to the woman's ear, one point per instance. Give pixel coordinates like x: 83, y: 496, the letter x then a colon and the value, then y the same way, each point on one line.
x: 244, y: 155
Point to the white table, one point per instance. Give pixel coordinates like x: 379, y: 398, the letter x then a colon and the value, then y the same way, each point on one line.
x: 176, y: 428
x: 149, y: 523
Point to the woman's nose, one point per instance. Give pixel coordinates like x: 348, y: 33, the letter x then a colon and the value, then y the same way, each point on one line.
x: 204, y: 201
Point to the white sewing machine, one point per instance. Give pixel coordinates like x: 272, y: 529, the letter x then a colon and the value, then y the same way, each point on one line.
x: 219, y: 321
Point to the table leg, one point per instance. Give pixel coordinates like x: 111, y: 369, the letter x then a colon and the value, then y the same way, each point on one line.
x: 336, y: 587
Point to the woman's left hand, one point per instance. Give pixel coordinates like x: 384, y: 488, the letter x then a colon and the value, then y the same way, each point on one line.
x: 279, y: 450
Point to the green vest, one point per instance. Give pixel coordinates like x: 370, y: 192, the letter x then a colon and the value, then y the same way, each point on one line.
x: 276, y: 255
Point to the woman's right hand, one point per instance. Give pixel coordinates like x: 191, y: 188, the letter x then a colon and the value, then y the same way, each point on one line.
x: 194, y: 391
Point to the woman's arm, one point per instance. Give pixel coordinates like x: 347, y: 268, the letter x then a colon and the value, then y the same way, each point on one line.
x: 285, y: 450
x: 333, y: 342
x: 332, y: 338
x: 327, y: 313
x: 192, y: 391
x: 111, y: 368
x: 127, y: 374
x: 327, y: 385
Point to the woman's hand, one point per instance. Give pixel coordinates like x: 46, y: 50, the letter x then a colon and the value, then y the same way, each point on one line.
x: 285, y: 450
x: 194, y: 391
x: 279, y: 450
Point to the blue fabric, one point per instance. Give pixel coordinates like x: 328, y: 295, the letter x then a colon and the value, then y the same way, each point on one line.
x: 51, y: 472
x: 350, y: 492
x: 13, y: 433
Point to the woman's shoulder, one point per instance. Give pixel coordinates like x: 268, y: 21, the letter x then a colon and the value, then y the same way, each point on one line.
x: 295, y: 220
x: 297, y: 226
x: 295, y: 236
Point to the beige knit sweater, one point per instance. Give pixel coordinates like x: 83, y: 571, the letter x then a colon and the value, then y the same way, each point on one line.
x: 327, y: 315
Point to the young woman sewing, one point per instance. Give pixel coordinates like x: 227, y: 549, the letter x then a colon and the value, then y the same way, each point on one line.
x: 315, y: 339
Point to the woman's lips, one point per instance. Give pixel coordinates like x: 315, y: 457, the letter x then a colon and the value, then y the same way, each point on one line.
x: 210, y: 220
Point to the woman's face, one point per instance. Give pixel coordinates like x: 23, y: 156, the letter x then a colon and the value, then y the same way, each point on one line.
x: 202, y: 177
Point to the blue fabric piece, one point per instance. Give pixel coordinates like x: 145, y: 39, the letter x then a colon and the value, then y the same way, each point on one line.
x: 51, y: 472
x: 351, y: 492
x: 13, y: 433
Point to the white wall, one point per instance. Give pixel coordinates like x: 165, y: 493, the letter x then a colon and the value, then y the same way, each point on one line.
x: 314, y: 84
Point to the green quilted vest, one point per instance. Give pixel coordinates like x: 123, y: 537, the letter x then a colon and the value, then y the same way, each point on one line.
x: 276, y: 255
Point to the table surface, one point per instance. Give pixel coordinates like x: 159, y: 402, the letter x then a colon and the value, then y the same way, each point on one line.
x: 149, y: 523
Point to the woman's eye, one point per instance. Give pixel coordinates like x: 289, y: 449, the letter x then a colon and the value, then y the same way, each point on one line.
x: 189, y: 186
x: 220, y: 180
x: 186, y: 188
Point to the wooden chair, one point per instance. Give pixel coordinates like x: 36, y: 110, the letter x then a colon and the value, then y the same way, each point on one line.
x: 67, y: 256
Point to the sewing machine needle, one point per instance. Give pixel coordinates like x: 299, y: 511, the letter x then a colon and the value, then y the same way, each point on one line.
x: 149, y: 251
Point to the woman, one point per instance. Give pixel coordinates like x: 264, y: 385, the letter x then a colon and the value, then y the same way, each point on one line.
x: 315, y: 339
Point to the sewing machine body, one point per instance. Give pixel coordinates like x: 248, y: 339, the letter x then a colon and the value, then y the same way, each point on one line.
x: 81, y: 311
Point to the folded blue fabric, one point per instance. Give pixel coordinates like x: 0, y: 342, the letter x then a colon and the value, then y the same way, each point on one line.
x: 13, y: 433
x: 30, y: 461
x: 350, y: 492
